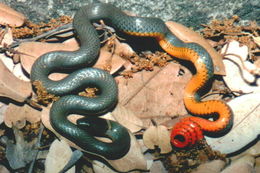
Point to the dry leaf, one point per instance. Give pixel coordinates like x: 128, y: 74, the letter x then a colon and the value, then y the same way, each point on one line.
x: 30, y: 51
x: 9, y: 16
x: 234, y: 66
x: 8, y: 62
x: 127, y: 118
x: 58, y: 156
x: 123, y: 49
x: 245, y: 128
x: 109, y: 61
x: 100, y: 167
x: 243, y: 165
x: 187, y: 35
x: 18, y: 115
x: 157, y: 136
x: 7, y: 38
x: 157, y: 93
x: 134, y: 159
x: 12, y: 87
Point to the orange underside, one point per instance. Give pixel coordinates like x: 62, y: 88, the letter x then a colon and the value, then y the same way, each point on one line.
x: 205, y: 108
x: 197, y: 81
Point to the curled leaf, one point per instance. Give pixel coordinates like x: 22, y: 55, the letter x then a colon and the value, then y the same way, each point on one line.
x: 240, y: 72
x: 157, y: 136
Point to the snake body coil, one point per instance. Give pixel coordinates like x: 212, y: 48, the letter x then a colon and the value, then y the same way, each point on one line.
x: 85, y: 77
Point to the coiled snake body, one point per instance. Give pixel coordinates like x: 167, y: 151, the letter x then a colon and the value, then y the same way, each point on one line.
x: 82, y: 133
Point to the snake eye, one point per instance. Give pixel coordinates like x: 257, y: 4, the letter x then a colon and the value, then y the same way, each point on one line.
x: 186, y: 133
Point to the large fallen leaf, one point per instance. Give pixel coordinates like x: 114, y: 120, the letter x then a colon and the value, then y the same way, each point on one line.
x: 245, y: 128
x: 238, y: 76
x: 134, y: 159
x: 158, y: 136
x: 127, y: 118
x: 243, y: 165
x: 18, y: 115
x: 156, y: 93
x: 12, y: 87
x: 189, y: 36
x: 58, y: 156
x: 9, y: 16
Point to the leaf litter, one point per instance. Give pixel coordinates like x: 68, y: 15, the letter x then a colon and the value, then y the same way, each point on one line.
x: 150, y: 84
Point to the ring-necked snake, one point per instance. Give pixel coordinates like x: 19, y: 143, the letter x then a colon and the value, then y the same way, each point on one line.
x: 69, y: 103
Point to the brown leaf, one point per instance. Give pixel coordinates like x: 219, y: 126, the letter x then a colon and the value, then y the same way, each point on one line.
x: 18, y: 115
x: 127, y: 118
x: 157, y: 136
x: 187, y: 35
x: 30, y: 51
x: 9, y: 16
x: 154, y: 94
x: 12, y: 87
x: 109, y: 61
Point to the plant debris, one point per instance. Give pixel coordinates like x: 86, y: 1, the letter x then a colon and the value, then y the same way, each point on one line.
x: 181, y: 161
x: 151, y: 86
x: 30, y: 29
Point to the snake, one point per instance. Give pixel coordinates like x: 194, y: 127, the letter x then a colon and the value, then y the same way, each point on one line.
x: 186, y: 133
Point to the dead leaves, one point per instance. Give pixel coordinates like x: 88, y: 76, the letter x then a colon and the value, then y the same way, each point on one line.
x: 154, y: 94
x: 23, y: 113
x: 151, y: 89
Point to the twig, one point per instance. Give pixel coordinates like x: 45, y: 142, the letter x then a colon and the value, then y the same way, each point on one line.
x: 63, y: 28
x: 37, y: 145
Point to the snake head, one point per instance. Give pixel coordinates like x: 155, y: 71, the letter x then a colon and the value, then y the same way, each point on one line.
x: 186, y: 133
